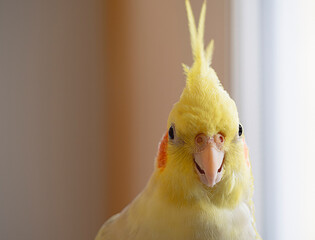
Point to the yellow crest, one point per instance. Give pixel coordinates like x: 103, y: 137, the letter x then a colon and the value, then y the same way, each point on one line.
x: 201, y: 57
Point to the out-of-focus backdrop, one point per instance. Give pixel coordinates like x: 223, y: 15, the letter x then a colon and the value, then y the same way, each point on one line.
x: 85, y: 92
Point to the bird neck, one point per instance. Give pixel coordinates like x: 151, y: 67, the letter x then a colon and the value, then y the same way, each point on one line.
x: 173, y: 189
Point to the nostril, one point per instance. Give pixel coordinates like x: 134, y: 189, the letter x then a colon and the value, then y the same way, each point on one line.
x: 219, y: 138
x: 199, y: 139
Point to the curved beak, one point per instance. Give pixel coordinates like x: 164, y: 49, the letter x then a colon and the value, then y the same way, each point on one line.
x: 209, y: 158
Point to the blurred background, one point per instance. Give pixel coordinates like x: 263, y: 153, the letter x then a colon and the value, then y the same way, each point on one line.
x: 85, y: 92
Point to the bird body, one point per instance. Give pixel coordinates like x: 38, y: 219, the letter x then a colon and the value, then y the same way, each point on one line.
x: 202, y: 185
x: 154, y: 216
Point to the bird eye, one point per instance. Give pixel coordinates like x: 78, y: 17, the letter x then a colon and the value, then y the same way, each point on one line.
x: 240, y: 130
x: 171, y: 132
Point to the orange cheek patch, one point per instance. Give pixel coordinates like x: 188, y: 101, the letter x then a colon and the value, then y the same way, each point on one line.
x: 162, y: 155
x: 246, y: 153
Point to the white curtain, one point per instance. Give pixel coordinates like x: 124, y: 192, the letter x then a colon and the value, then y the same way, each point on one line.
x: 274, y: 85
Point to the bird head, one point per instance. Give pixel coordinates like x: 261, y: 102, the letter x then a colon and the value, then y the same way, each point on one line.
x: 203, y: 153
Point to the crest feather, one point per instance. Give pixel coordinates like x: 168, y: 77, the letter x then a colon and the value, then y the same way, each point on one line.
x: 192, y: 26
x: 209, y: 52
x: 196, y: 36
x: 185, y: 68
x: 201, y: 28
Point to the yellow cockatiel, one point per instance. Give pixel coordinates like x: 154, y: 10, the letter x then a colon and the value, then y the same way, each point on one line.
x: 202, y: 184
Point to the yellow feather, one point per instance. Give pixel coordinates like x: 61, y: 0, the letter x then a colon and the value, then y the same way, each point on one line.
x: 209, y: 52
x: 201, y: 27
x: 185, y: 68
x: 192, y: 26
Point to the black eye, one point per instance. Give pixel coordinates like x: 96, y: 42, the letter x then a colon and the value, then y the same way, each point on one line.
x: 240, y: 130
x: 171, y: 132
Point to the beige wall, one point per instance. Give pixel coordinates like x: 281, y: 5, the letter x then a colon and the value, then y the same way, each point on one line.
x: 52, y: 119
x: 85, y: 93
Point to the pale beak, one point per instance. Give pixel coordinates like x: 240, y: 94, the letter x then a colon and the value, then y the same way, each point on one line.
x: 208, y: 158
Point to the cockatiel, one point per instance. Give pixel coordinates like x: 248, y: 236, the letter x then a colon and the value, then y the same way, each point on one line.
x: 201, y: 188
